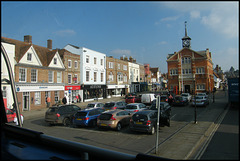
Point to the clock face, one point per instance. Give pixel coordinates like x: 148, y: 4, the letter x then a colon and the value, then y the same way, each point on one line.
x: 186, y: 43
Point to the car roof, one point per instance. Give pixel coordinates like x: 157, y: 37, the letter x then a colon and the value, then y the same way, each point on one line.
x: 145, y: 112
x: 94, y: 102
x: 89, y: 109
x: 113, y: 111
x: 134, y: 104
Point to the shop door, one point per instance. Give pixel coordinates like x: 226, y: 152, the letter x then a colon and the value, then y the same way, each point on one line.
x: 187, y: 88
x: 25, y: 101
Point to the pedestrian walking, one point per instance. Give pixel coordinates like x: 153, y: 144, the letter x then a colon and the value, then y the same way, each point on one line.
x: 79, y: 98
x: 48, y: 101
x: 16, y: 120
x: 64, y: 100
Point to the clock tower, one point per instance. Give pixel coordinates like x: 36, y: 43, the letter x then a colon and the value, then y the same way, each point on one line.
x: 186, y: 40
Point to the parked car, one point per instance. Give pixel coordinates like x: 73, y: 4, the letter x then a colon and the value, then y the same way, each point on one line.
x: 61, y: 114
x: 164, y: 98
x: 114, y: 105
x: 95, y: 105
x: 200, y: 101
x: 114, y: 119
x: 187, y: 96
x: 179, y: 100
x: 11, y: 114
x: 144, y: 121
x: 87, y: 117
x: 133, y: 99
x: 148, y: 98
x: 130, y: 94
x: 202, y: 94
x: 135, y: 107
x: 165, y: 112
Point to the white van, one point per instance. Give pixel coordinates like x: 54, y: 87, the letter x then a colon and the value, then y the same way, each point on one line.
x: 147, y: 98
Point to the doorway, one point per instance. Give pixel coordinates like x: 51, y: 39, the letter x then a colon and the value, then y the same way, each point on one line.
x: 25, y: 101
x: 187, y: 88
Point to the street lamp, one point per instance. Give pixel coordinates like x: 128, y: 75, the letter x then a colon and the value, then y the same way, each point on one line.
x: 195, y: 107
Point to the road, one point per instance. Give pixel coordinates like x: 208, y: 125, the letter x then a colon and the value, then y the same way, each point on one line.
x: 224, y: 145
x: 124, y: 141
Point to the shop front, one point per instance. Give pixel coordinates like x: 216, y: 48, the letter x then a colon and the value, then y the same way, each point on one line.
x: 93, y: 92
x: 72, y: 92
x: 116, y: 90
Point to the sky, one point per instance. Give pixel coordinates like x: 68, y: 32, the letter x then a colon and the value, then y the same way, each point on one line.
x: 146, y: 30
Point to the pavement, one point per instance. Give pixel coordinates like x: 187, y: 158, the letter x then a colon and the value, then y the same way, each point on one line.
x: 188, y: 142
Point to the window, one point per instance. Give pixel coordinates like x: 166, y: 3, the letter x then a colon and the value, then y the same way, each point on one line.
x: 95, y: 76
x: 75, y: 78
x: 110, y: 77
x: 124, y: 67
x: 101, y: 77
x: 95, y: 60
x: 110, y: 65
x: 119, y: 66
x: 76, y: 64
x: 59, y: 77
x: 22, y: 74
x: 69, y: 78
x: 101, y: 61
x: 37, y: 98
x: 173, y: 72
x: 200, y: 86
x: 69, y: 63
x: 87, y: 76
x: 33, y: 75
x: 50, y: 76
x: 55, y: 61
x: 125, y: 78
x: 200, y: 70
x: 87, y: 59
x: 56, y: 96
x: 29, y: 56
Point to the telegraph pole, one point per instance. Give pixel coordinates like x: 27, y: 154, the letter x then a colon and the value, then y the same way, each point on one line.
x: 158, y: 119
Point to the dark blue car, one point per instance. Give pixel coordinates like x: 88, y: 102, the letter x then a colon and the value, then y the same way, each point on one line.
x: 87, y: 117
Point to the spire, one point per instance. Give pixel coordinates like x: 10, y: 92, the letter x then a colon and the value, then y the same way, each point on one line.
x: 185, y: 28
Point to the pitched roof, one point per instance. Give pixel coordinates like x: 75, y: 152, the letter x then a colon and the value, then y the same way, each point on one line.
x: 45, y: 55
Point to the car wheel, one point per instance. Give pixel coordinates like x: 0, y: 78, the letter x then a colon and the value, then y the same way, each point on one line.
x: 66, y: 122
x: 168, y: 122
x: 152, y: 130
x: 94, y: 123
x: 119, y: 126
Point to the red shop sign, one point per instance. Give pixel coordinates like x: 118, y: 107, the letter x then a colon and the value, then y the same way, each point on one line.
x: 72, y: 88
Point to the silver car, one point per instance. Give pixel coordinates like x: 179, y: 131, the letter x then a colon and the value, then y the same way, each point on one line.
x: 200, y: 101
x: 187, y: 96
x: 95, y: 105
x: 135, y: 107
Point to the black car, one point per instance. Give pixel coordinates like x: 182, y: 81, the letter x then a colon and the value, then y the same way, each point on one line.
x: 115, y: 105
x: 61, y: 114
x: 165, y: 112
x: 179, y: 100
x: 144, y: 121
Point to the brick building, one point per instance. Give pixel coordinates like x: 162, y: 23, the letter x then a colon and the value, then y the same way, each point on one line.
x: 190, y: 70
x: 39, y: 73
x: 116, y: 76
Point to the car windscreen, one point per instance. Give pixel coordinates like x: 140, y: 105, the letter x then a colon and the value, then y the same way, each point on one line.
x: 139, y: 117
x: 81, y: 114
x: 199, y: 97
x: 90, y: 105
x: 130, y: 107
x: 178, y: 98
x: 130, y: 97
x: 52, y: 109
x: 105, y: 116
x: 109, y: 105
x: 185, y: 95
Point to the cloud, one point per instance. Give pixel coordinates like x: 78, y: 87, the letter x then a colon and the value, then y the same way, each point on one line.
x: 195, y: 14
x: 162, y: 43
x: 64, y: 33
x: 172, y: 18
x: 223, y: 58
x: 120, y: 52
x: 220, y: 17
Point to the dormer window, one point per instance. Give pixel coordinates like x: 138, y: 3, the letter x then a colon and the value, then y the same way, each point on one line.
x: 29, y: 56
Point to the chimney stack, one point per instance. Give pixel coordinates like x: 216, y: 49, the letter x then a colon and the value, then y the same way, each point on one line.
x: 121, y: 58
x: 130, y: 59
x: 49, y: 44
x: 125, y: 59
x: 28, y: 39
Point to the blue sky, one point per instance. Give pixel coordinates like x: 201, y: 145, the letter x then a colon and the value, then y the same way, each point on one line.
x: 147, y: 31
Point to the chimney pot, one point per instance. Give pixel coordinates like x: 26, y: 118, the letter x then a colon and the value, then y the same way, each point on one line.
x: 28, y: 39
x: 49, y: 44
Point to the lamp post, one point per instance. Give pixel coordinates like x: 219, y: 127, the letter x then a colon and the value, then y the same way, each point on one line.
x: 195, y: 107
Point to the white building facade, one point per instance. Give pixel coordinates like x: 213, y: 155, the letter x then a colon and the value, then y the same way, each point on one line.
x: 92, y: 72
x: 134, y: 77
